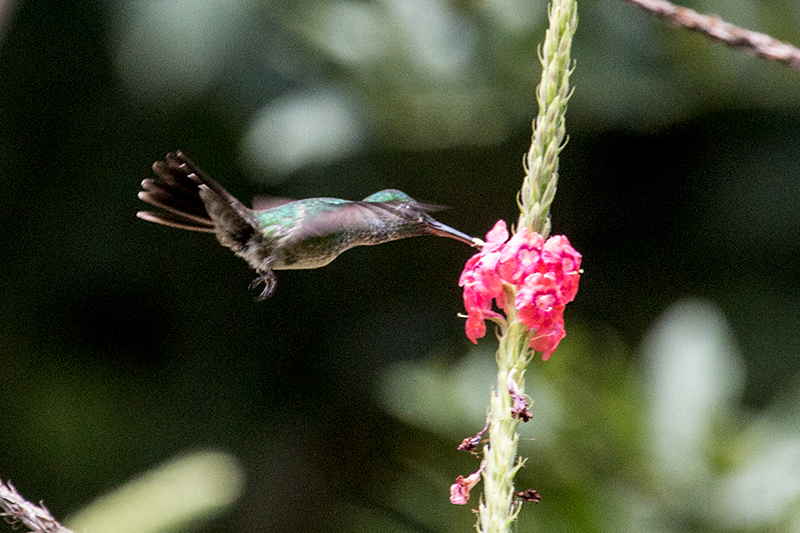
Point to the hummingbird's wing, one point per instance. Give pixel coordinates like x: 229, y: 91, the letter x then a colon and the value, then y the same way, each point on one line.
x: 339, y: 216
x: 370, y: 222
x: 428, y: 207
x: 261, y: 202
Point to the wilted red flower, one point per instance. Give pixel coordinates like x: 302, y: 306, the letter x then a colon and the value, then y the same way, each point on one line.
x: 459, y: 491
x: 544, y: 276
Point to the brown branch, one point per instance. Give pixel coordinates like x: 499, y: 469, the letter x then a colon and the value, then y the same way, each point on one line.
x: 754, y: 43
x: 17, y: 509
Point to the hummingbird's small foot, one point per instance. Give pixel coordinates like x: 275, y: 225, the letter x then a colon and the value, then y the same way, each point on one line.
x: 267, y: 277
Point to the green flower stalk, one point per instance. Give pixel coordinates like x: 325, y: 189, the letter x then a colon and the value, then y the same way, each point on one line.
x: 529, y: 278
x: 549, y: 128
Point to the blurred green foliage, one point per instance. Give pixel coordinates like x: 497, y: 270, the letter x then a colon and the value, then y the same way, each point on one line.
x: 673, y: 403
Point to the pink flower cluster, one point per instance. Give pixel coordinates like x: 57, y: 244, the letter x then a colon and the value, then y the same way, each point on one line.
x: 545, y: 277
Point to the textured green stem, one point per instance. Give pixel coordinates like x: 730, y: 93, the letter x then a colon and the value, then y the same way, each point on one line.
x: 498, y: 508
x: 549, y: 128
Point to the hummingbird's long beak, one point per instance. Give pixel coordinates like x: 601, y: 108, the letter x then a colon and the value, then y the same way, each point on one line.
x: 442, y: 230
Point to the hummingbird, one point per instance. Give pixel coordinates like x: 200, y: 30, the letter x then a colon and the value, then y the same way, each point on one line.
x: 278, y: 233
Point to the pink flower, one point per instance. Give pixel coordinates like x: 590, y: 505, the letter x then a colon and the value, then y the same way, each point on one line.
x: 557, y: 249
x: 476, y: 327
x: 482, y: 284
x: 459, y: 491
x: 496, y: 236
x: 543, y: 274
x: 547, y: 338
x: 561, y: 258
x: 539, y: 292
x: 521, y: 256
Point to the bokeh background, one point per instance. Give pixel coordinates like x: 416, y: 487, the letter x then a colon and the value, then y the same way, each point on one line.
x: 142, y: 385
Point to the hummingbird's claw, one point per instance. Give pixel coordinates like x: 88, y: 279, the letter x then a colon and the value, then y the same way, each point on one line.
x: 268, y: 278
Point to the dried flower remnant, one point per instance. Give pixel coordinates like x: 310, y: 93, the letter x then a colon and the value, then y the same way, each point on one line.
x: 528, y: 496
x: 519, y: 409
x: 539, y: 276
x: 459, y: 491
x: 469, y: 444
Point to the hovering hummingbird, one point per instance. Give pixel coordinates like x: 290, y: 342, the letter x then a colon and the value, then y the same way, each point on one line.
x: 282, y: 234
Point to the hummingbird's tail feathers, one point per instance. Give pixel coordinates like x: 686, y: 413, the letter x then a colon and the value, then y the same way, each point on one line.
x: 228, y: 200
x: 177, y: 193
x: 193, y: 201
x: 233, y: 222
x: 174, y: 221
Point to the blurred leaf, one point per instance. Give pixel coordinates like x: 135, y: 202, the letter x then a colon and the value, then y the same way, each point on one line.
x: 171, y: 497
x: 300, y: 129
x: 695, y: 378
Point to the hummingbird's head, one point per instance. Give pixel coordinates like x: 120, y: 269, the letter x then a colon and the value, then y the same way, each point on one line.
x: 415, y: 215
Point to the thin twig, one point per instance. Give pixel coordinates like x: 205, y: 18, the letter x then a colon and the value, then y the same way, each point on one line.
x: 752, y: 42
x: 17, y: 509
